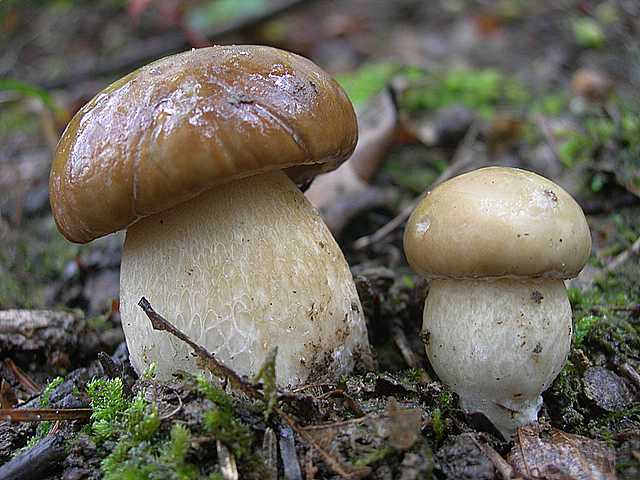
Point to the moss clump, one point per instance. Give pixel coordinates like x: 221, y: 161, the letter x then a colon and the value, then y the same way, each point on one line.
x: 588, y: 33
x: 130, y: 430
x: 267, y: 374
x: 479, y: 90
x: 564, y: 399
x: 221, y: 423
x: 374, y: 457
x: 601, y: 133
x: 366, y: 81
x: 43, y: 428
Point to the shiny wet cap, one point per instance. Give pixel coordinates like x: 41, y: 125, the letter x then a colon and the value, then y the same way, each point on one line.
x: 189, y: 122
x: 499, y: 223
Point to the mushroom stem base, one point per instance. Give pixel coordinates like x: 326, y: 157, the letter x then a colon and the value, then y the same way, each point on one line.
x: 498, y: 343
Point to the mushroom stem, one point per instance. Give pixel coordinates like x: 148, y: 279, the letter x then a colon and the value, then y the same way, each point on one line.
x: 498, y: 343
x: 243, y: 268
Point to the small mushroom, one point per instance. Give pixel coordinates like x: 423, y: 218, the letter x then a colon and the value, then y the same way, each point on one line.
x: 196, y: 155
x: 497, y: 244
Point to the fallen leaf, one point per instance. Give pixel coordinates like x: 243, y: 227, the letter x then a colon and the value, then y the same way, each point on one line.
x: 343, y: 193
x: 404, y: 425
x: 8, y: 397
x: 544, y: 452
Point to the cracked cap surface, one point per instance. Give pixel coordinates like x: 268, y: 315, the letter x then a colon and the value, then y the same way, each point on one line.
x: 186, y: 123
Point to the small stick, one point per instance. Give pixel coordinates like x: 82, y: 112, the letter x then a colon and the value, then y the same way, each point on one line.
x: 401, y: 341
x: 344, y: 423
x: 631, y: 373
x: 353, y: 405
x: 44, y: 414
x: 618, y: 260
x: 218, y: 368
x: 29, y: 385
x: 460, y: 160
x: 541, y: 121
x: 504, y: 469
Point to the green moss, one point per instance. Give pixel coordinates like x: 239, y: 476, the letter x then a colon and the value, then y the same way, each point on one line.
x: 130, y: 431
x: 599, y: 132
x: 43, y: 428
x: 575, y: 147
x: 588, y: 33
x: 267, y: 374
x: 48, y: 390
x: 99, y: 323
x: 604, y: 425
x: 582, y: 328
x: 413, y: 179
x: 222, y: 424
x: 367, y: 80
x: 445, y: 400
x: 414, y: 375
x: 479, y: 90
x: 108, y: 404
x: 552, y: 104
x: 438, y: 424
x: 374, y: 457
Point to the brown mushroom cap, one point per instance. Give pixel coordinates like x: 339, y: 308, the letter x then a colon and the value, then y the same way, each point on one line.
x: 186, y: 123
x: 497, y: 222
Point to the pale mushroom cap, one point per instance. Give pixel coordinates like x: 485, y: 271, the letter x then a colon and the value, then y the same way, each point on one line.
x: 188, y: 123
x: 497, y: 222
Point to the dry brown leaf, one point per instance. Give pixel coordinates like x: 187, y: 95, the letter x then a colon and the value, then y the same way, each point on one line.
x: 8, y: 397
x: 544, y: 452
x: 404, y: 425
x: 343, y: 193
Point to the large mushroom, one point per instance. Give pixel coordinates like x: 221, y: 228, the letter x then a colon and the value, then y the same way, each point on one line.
x: 497, y: 244
x: 196, y: 155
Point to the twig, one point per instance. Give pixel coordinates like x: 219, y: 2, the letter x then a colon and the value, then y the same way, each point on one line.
x: 44, y: 414
x: 460, y: 160
x: 401, y: 341
x: 159, y: 46
x: 343, y: 423
x: 353, y: 405
x: 541, y: 122
x: 208, y: 361
x: 618, y: 260
x: 29, y: 385
x: 175, y: 410
x: 504, y: 469
x: 631, y: 373
x: 312, y: 385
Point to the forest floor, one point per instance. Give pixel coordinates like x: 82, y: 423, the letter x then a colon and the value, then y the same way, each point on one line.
x: 535, y: 85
